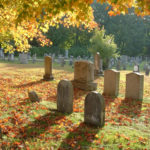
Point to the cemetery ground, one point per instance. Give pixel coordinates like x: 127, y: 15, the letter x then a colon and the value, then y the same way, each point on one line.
x: 38, y: 125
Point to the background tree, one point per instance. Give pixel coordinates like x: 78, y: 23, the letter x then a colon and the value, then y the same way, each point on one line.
x: 104, y: 44
x: 23, y: 20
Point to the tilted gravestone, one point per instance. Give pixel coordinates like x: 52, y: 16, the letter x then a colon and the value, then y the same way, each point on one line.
x: 84, y: 75
x: 33, y: 96
x: 111, y: 82
x: 65, y: 96
x: 94, y: 109
x: 134, y: 86
x: 48, y: 69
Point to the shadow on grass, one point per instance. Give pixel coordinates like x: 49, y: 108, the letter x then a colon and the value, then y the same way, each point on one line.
x: 41, y: 124
x: 130, y: 107
x: 29, y: 84
x: 80, y: 137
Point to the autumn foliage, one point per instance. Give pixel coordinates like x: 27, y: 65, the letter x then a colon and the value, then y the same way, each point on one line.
x: 23, y: 20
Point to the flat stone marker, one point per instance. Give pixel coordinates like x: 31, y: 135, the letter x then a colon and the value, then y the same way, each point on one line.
x: 111, y: 82
x: 65, y: 96
x: 134, y: 86
x: 94, y: 109
x: 48, y: 68
x: 84, y: 75
x: 33, y: 96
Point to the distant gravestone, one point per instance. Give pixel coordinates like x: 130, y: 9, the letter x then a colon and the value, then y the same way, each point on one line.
x: 111, y: 82
x: 97, y: 64
x: 94, y: 109
x: 23, y: 58
x: 118, y: 67
x: 33, y: 96
x: 134, y: 86
x: 84, y: 75
x: 34, y: 58
x: 65, y: 96
x: 147, y: 69
x: 71, y: 61
x: 48, y: 69
x: 66, y: 53
x: 12, y: 57
x: 136, y: 68
x: 62, y: 61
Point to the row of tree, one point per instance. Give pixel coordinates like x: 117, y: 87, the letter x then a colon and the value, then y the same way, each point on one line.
x: 131, y: 34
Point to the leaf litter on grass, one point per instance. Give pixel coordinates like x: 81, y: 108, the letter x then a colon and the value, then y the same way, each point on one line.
x: 27, y: 125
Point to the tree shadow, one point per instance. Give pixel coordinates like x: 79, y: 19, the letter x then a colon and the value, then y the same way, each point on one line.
x: 41, y: 124
x: 130, y: 107
x: 29, y: 84
x: 80, y: 137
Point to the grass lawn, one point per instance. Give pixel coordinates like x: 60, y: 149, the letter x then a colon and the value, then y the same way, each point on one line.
x: 38, y: 126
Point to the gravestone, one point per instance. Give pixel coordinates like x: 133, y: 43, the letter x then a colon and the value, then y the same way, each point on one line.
x: 136, y: 68
x: 23, y: 58
x: 94, y: 109
x: 9, y: 56
x: 71, y: 61
x: 33, y: 96
x: 118, y: 64
x: 62, y: 61
x: 111, y: 82
x: 53, y: 57
x: 48, y: 69
x: 134, y: 86
x: 66, y: 53
x: 84, y: 75
x: 1, y: 53
x: 147, y: 69
x: 97, y: 65
x: 34, y: 58
x: 12, y: 57
x: 65, y: 96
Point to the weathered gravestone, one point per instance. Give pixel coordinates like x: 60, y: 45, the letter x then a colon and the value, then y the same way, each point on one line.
x: 48, y: 69
x: 12, y: 57
x: 84, y: 75
x: 71, y: 61
x: 111, y: 82
x: 62, y: 61
x: 97, y: 65
x: 94, y: 109
x: 118, y: 67
x: 33, y: 96
x: 23, y: 58
x: 134, y: 86
x: 147, y: 69
x: 136, y: 68
x: 65, y: 96
x: 34, y: 58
